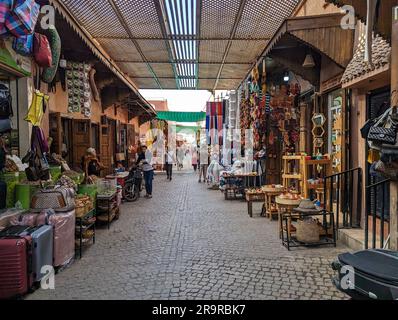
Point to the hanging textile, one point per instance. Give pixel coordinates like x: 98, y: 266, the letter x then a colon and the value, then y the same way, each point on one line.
x: 37, y: 108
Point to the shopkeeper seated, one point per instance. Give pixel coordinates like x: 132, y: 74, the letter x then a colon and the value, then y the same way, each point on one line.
x: 91, y: 164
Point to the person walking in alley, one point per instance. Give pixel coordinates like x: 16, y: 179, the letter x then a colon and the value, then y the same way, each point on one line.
x: 145, y: 159
x: 203, y: 166
x: 170, y: 160
x: 194, y: 159
x: 180, y: 157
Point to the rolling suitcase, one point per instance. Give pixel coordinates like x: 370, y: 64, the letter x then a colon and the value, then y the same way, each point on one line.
x: 64, y: 236
x: 6, y: 216
x: 42, y: 251
x: 375, y: 274
x: 15, y: 265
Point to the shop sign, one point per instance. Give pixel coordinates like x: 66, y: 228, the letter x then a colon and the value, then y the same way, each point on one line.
x: 332, y: 83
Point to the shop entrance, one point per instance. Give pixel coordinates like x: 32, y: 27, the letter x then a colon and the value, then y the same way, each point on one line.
x: 378, y: 103
x: 81, y: 140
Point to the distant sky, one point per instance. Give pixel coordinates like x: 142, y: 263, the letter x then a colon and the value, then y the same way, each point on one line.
x: 180, y: 100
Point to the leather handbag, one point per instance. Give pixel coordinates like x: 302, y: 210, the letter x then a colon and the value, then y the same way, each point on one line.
x: 366, y: 128
x: 383, y: 135
x: 5, y: 102
x: 42, y: 51
x: 23, y: 45
x: 22, y: 19
x: 5, y: 126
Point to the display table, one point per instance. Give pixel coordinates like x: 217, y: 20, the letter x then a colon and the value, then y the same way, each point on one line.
x: 270, y: 205
x: 286, y: 206
x: 233, y: 188
x: 327, y: 232
x: 254, y: 197
x: 107, y: 208
x: 120, y: 177
x: 85, y: 230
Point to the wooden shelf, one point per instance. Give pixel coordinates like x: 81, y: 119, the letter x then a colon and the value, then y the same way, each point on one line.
x: 317, y: 162
x: 292, y: 176
x: 292, y: 157
x: 315, y: 186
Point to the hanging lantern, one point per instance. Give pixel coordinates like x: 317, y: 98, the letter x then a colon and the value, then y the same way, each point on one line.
x: 309, y: 61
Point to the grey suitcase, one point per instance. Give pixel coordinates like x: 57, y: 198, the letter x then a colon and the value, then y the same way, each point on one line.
x: 42, y: 250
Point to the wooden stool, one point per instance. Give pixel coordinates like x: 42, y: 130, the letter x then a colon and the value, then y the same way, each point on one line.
x: 270, y: 195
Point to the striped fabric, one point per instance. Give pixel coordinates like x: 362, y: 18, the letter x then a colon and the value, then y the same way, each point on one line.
x: 22, y: 20
x: 5, y: 7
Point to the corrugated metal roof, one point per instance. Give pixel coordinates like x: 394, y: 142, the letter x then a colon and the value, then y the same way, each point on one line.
x: 151, y: 39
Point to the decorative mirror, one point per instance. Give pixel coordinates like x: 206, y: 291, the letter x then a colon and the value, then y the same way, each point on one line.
x: 319, y: 120
x: 318, y: 131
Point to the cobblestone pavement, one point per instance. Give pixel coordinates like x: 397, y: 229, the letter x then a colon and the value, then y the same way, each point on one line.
x: 189, y: 243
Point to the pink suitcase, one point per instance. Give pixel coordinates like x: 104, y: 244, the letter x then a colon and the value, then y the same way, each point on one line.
x: 27, y: 219
x: 6, y: 216
x: 64, y: 236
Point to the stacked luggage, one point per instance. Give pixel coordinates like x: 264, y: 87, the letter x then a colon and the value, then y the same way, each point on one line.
x: 43, y: 237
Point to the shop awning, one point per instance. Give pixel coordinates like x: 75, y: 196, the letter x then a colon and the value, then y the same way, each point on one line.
x: 181, y: 116
x: 315, y: 35
x: 206, y: 44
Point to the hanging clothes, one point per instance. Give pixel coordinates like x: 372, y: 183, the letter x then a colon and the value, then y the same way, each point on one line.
x: 37, y: 108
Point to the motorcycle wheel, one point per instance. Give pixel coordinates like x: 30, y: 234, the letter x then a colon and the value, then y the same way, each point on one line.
x: 130, y: 192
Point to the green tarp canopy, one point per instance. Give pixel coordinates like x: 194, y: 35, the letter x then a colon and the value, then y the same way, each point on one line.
x: 181, y: 116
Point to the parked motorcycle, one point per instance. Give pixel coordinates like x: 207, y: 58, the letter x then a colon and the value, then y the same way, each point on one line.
x: 369, y: 274
x: 133, y: 185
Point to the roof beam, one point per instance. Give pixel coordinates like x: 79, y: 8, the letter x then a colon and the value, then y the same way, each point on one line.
x: 233, y: 33
x: 184, y: 61
x: 160, y: 9
x: 184, y: 37
x: 199, y: 6
x: 131, y: 37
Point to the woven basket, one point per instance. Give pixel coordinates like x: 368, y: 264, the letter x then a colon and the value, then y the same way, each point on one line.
x: 80, y: 211
x: 307, y: 231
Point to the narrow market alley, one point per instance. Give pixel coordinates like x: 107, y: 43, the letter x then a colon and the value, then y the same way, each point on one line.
x: 189, y: 243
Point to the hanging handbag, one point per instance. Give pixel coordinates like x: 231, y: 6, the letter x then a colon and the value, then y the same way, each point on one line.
x: 22, y: 19
x: 366, y: 128
x: 379, y: 134
x: 54, y: 39
x: 5, y: 8
x: 42, y: 51
x: 5, y: 126
x: 23, y: 45
x: 5, y: 102
x: 383, y: 135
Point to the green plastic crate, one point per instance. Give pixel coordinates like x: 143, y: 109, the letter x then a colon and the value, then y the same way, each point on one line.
x: 12, y: 179
x: 88, y: 189
x: 56, y: 172
x: 24, y: 194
